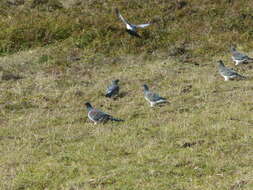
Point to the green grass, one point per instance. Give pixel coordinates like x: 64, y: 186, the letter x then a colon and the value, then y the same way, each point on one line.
x: 203, y: 27
x: 55, y: 62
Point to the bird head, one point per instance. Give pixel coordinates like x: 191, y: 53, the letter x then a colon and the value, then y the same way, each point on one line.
x: 232, y: 48
x: 145, y: 87
x: 115, y: 81
x: 88, y: 105
x: 220, y: 63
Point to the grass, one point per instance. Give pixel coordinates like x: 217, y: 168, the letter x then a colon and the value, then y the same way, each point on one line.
x: 203, y: 28
x: 201, y: 140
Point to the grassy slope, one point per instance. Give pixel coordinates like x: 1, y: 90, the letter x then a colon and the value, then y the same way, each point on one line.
x: 201, y: 140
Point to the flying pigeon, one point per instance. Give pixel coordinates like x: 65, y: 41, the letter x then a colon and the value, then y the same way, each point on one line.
x: 113, y: 89
x: 152, y: 98
x: 131, y: 28
x: 238, y: 57
x: 98, y: 116
x: 228, y: 73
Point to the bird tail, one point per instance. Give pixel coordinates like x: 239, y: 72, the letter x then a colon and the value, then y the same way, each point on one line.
x: 250, y: 59
x: 116, y: 119
x: 241, y: 77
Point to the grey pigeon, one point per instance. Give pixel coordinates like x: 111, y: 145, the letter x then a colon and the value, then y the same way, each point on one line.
x: 228, y: 73
x: 98, y: 116
x: 113, y: 89
x: 131, y: 28
x: 239, y: 57
x: 152, y: 97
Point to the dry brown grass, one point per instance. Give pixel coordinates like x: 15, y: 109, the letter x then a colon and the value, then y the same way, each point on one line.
x: 200, y: 140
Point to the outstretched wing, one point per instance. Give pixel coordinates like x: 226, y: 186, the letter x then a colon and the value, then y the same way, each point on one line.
x: 121, y: 17
x: 142, y: 25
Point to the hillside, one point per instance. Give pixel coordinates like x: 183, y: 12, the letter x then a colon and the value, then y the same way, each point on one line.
x: 57, y: 55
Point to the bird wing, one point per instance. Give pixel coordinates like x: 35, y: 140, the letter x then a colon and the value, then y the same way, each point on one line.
x: 229, y: 72
x: 98, y: 115
x: 142, y: 25
x: 240, y: 56
x: 121, y: 17
x: 112, y: 88
x: 154, y: 97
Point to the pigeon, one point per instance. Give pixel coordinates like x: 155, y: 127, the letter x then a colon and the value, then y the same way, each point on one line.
x: 153, y: 98
x: 98, y: 116
x: 131, y: 28
x: 113, y: 89
x: 238, y: 57
x: 228, y: 73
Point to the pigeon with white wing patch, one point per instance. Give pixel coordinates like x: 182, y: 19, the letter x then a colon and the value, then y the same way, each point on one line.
x: 239, y: 57
x: 228, y: 73
x: 152, y: 97
x: 131, y: 28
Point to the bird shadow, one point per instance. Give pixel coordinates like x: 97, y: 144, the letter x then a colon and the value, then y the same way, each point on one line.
x: 162, y: 104
x: 122, y: 94
x: 10, y: 76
